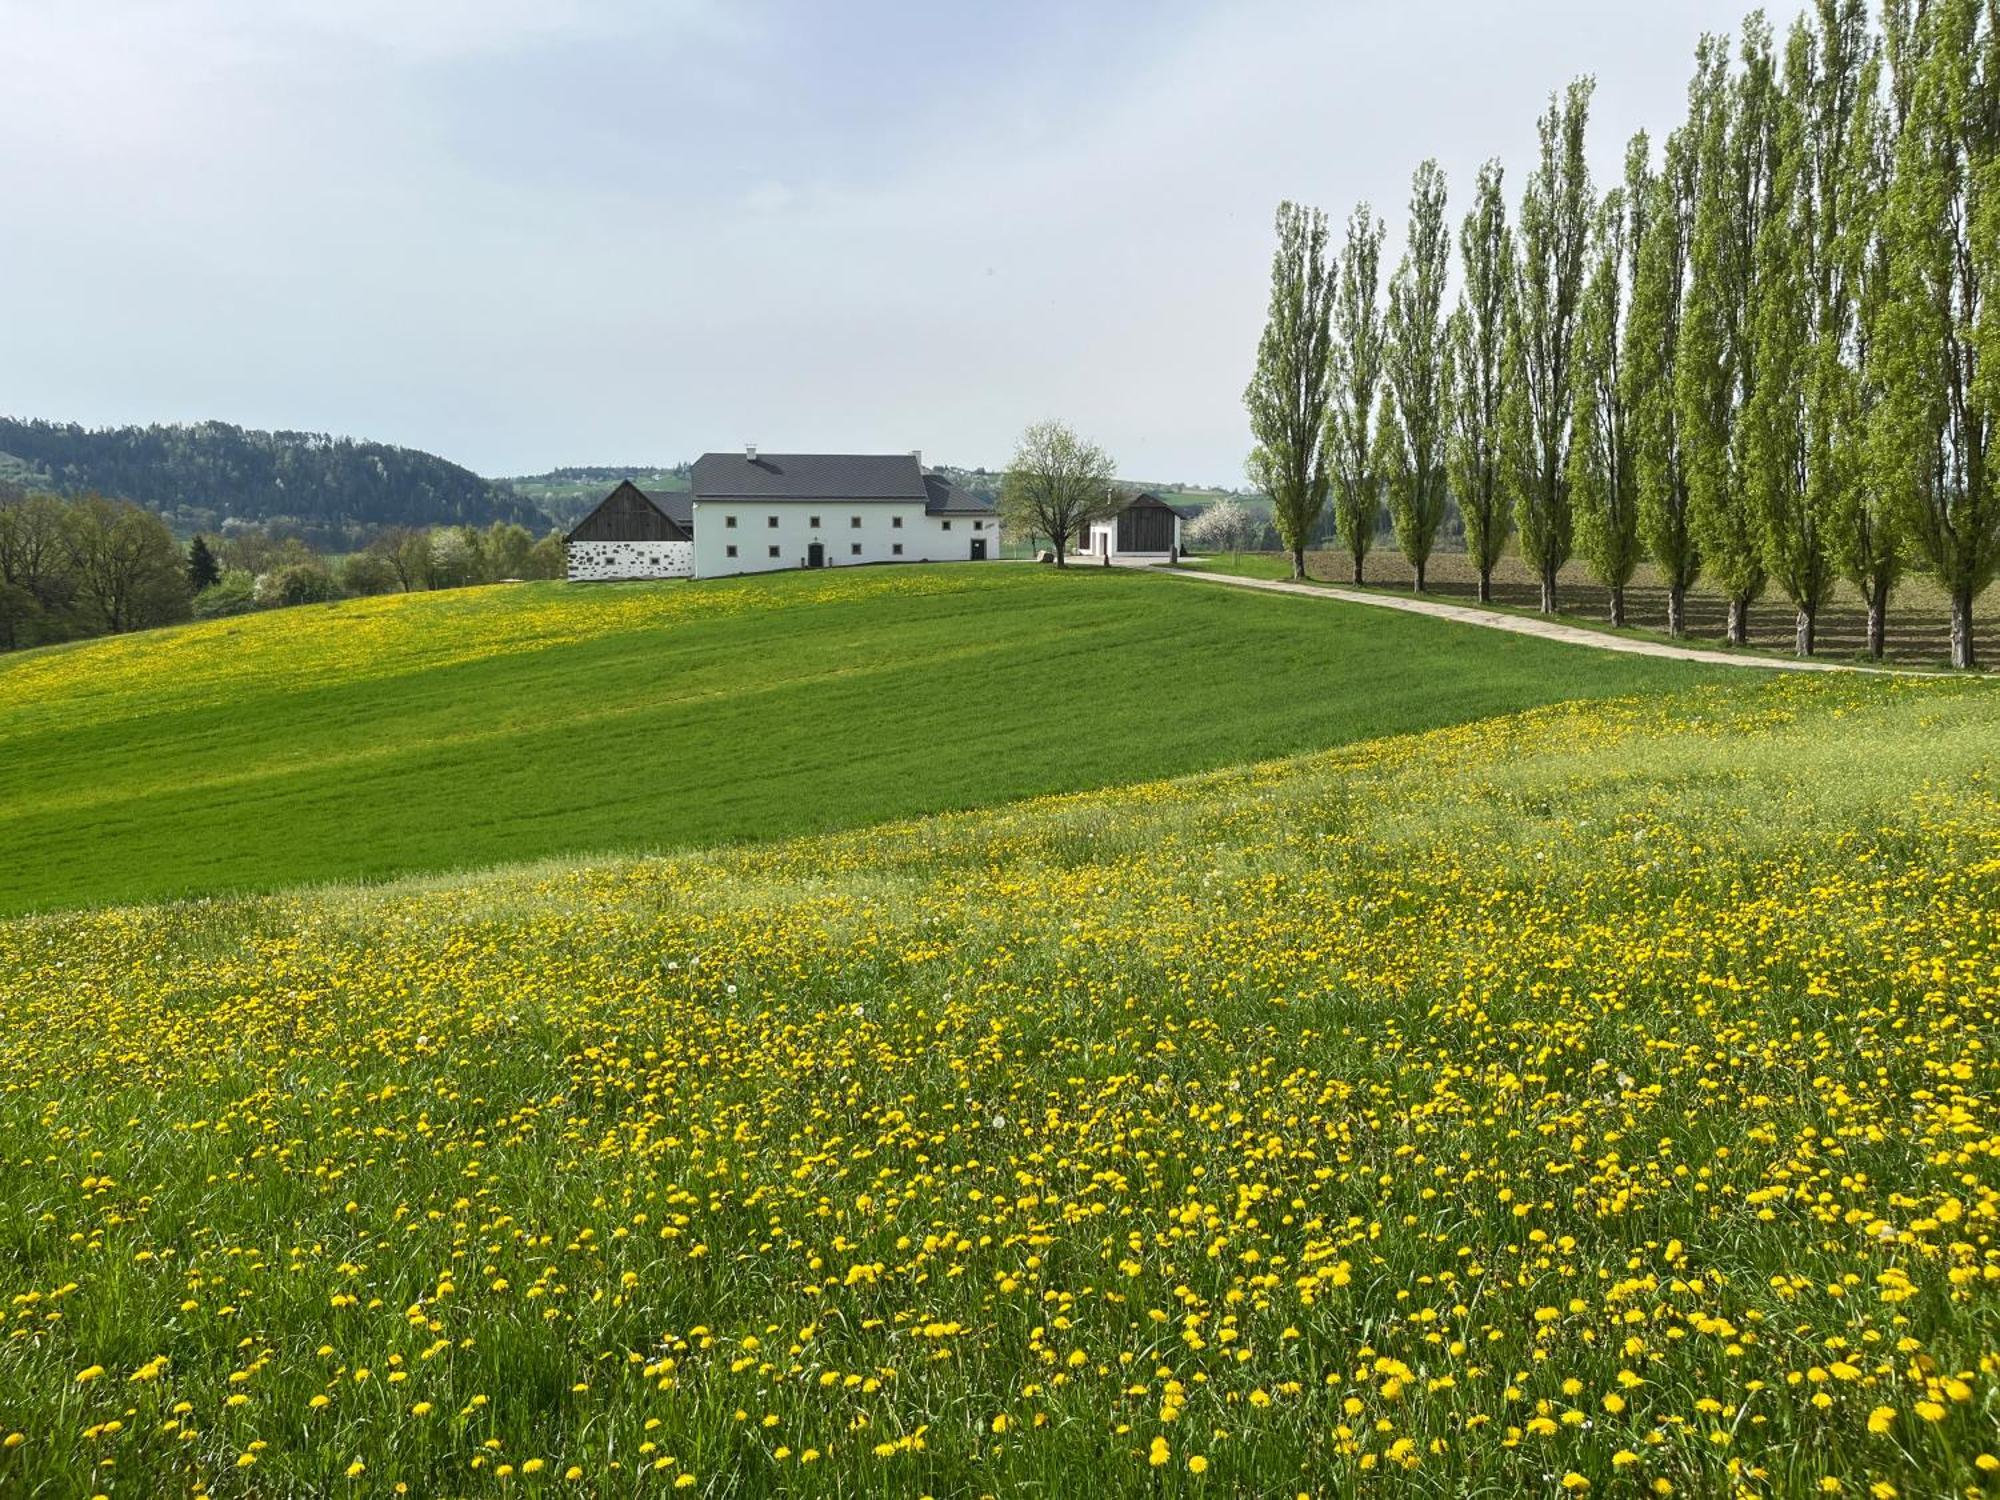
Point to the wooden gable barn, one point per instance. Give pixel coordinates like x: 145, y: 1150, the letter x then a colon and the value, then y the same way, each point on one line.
x: 632, y: 535
x: 1147, y: 527
x: 1148, y: 524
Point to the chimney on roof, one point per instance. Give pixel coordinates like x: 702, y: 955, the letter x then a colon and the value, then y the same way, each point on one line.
x: 750, y: 452
x: 918, y: 455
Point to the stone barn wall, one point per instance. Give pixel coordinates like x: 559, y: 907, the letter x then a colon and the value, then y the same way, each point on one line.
x: 596, y: 562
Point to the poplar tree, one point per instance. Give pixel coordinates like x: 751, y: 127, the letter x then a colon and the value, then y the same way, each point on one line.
x: 1357, y: 371
x: 1867, y: 524
x: 1717, y: 371
x: 1288, y: 396
x: 1413, y: 434
x: 1556, y: 214
x: 1476, y: 341
x: 1794, y: 453
x: 1604, y: 489
x: 1653, y: 347
x: 1933, y: 429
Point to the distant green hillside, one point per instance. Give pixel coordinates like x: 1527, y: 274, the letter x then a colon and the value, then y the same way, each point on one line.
x: 332, y: 489
x: 439, y: 731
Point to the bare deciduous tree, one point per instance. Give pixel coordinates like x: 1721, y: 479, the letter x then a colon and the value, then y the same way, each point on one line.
x: 1057, y: 484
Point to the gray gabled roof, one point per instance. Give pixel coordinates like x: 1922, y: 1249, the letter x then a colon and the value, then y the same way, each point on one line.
x: 809, y: 476
x: 676, y: 505
x: 679, y: 506
x: 947, y: 499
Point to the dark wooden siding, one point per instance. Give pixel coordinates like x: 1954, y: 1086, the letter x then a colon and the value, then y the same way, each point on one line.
x: 627, y: 516
x: 1145, y: 528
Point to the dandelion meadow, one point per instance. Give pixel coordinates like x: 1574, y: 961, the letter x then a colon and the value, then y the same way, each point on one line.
x: 1593, y: 1099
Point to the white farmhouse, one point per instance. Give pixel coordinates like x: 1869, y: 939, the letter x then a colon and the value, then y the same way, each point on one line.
x: 755, y: 513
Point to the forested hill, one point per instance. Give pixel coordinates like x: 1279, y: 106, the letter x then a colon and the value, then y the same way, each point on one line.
x: 200, y: 475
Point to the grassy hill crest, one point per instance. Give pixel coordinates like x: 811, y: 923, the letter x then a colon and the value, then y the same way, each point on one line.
x: 450, y: 730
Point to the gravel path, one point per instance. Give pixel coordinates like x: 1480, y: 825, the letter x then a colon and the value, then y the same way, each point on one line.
x: 1548, y: 630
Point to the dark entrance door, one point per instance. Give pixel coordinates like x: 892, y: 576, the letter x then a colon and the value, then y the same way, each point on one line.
x: 816, y: 555
x: 979, y: 549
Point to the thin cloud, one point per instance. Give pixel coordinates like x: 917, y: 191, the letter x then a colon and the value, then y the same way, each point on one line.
x: 529, y: 233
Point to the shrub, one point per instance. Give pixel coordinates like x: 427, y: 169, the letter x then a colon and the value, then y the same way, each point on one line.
x: 458, y: 558
x: 366, y: 573
x: 546, y: 559
x: 297, y: 583
x: 235, y: 593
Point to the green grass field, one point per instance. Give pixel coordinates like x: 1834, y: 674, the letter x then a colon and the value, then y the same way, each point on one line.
x: 1598, y: 1099
x: 453, y: 730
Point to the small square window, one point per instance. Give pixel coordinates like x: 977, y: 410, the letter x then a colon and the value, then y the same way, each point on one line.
x: 730, y: 549
x: 947, y: 525
x: 978, y: 525
x: 897, y: 548
x: 855, y: 522
x: 855, y: 549
x: 771, y: 521
x: 730, y: 522
x: 897, y: 522
x: 774, y: 552
x: 815, y: 523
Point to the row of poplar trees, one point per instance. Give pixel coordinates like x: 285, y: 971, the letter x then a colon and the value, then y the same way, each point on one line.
x: 1760, y: 361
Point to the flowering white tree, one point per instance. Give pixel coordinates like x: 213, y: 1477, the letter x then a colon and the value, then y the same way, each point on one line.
x: 1226, y: 526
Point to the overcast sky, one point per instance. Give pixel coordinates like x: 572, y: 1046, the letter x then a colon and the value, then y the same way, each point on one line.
x: 523, y: 233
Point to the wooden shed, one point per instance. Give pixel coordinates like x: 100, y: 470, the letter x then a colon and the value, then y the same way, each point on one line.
x: 1147, y: 527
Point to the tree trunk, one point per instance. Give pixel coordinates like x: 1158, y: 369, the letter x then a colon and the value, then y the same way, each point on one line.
x: 1962, y: 655
x: 1677, y: 610
x: 1357, y: 567
x: 1060, y: 562
x: 1298, y: 564
x: 1548, y: 590
x: 1485, y: 585
x: 1802, y: 644
x: 1739, y: 622
x: 1878, y: 612
x: 1618, y: 606
x: 1420, y: 578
